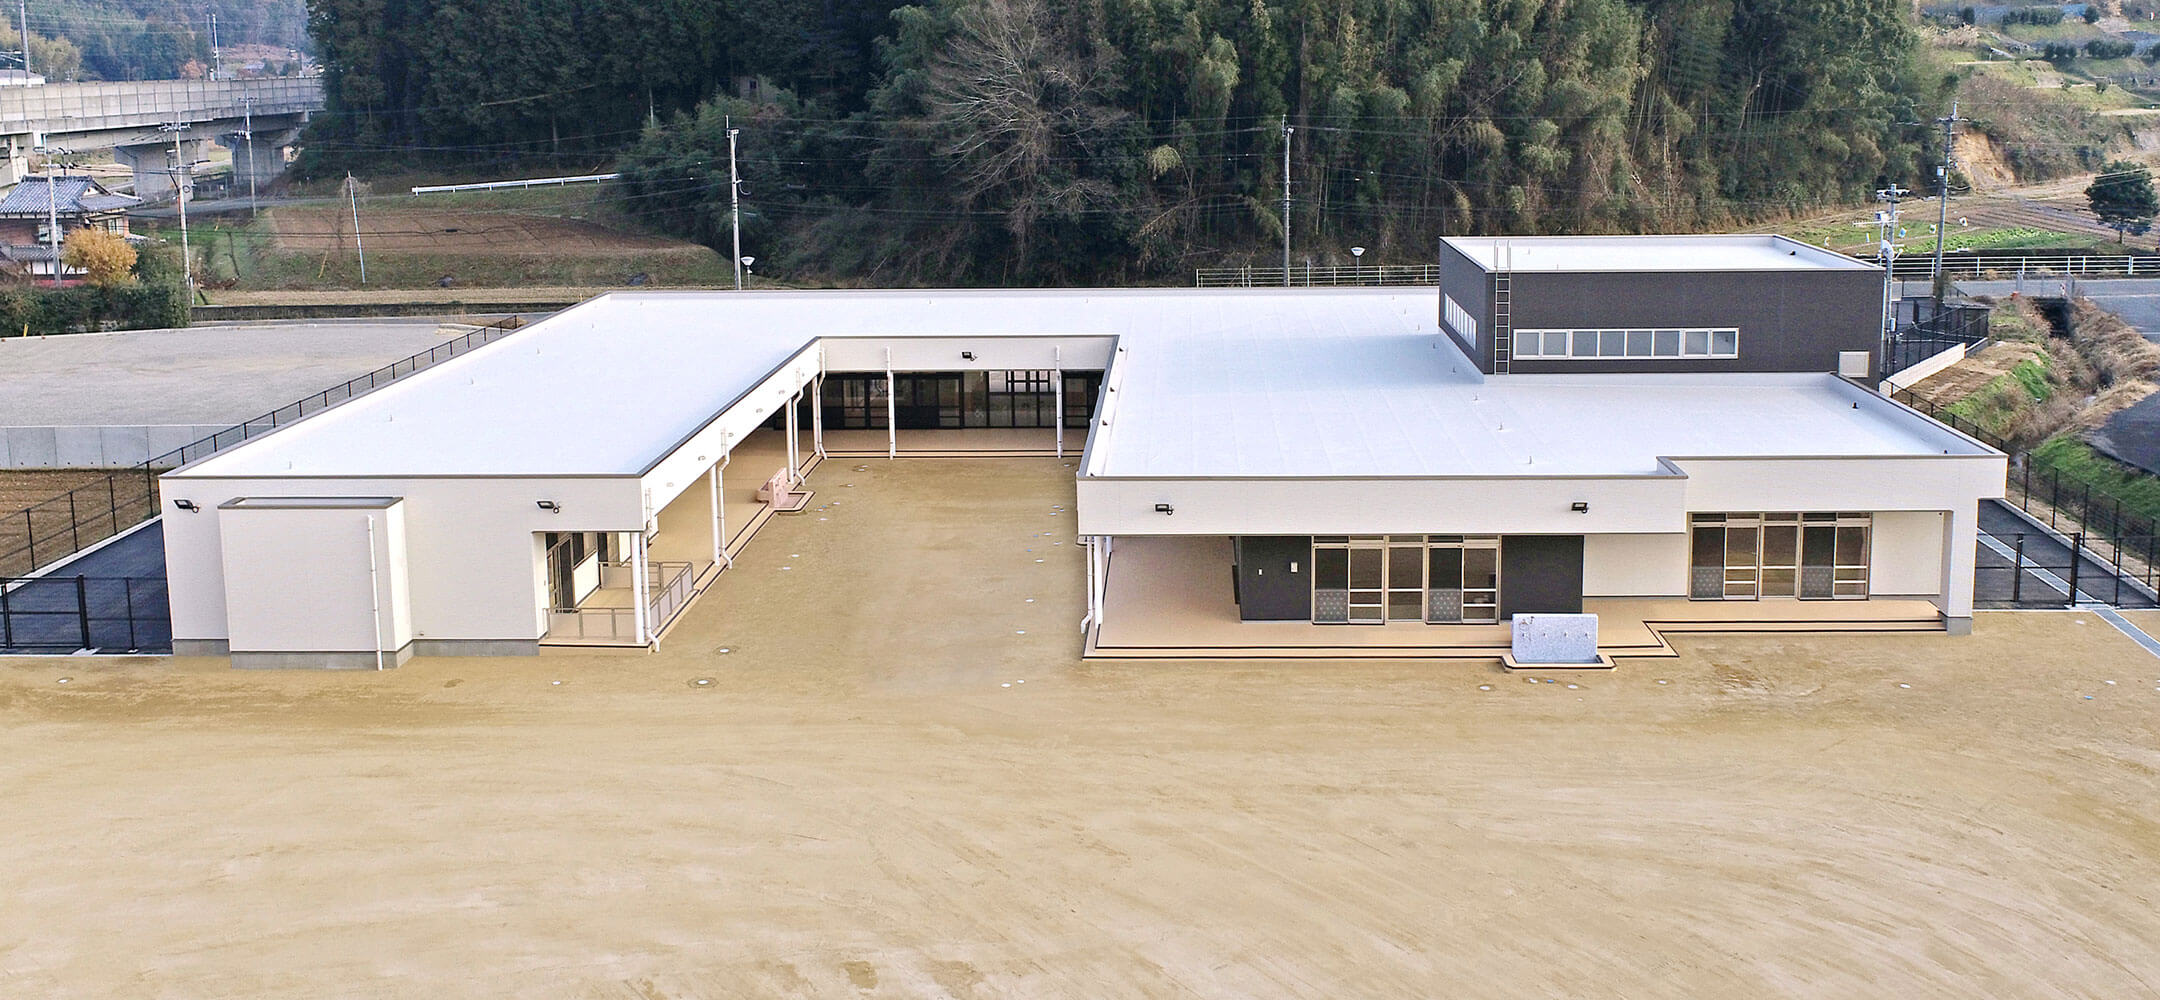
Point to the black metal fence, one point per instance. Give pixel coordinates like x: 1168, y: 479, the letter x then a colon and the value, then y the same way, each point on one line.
x: 2104, y: 528
x: 62, y: 614
x: 86, y: 515
x: 2038, y: 569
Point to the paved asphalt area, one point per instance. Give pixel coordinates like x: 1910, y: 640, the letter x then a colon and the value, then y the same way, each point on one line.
x: 2046, y: 567
x: 201, y: 375
x: 120, y: 586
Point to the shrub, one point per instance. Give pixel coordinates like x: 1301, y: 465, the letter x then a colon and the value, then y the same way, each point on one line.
x: 40, y: 310
x: 106, y: 258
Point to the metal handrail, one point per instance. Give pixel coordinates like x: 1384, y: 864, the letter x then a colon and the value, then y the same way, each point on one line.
x: 672, y: 585
x: 1309, y: 276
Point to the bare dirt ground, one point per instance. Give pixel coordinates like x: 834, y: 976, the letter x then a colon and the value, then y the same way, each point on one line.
x: 20, y: 488
x: 1969, y: 375
x: 867, y: 800
x: 329, y: 227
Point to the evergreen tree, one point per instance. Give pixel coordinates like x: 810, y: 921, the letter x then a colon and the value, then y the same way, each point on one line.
x: 2122, y: 197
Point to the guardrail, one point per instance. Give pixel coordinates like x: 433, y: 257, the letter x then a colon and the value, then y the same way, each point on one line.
x: 1309, y: 276
x: 86, y: 515
x: 532, y: 182
x: 1920, y: 266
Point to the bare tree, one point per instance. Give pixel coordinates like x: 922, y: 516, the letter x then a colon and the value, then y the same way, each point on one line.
x: 1021, y: 112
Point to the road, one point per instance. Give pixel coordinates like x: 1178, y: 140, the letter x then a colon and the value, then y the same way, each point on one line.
x: 122, y: 590
x: 2135, y: 300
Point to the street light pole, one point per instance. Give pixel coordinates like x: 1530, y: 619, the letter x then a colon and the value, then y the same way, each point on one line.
x: 1357, y: 267
x: 1287, y: 131
x: 180, y: 190
x: 734, y: 198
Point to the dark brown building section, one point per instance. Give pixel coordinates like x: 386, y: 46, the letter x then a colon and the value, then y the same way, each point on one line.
x: 1789, y: 321
x: 1471, y: 287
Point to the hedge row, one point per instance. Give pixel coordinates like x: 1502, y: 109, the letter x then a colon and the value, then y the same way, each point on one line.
x: 35, y: 311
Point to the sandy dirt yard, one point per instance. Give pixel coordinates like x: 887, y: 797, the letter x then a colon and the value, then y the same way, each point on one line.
x: 867, y: 800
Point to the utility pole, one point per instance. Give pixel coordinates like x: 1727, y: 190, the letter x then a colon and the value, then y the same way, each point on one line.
x: 22, y: 8
x: 52, y: 215
x: 215, y: 62
x: 247, y: 142
x: 180, y: 190
x: 734, y: 199
x: 1886, y: 247
x: 1286, y: 131
x: 1949, y: 125
x: 352, y: 191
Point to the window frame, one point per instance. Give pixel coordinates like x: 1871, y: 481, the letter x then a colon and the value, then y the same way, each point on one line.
x: 1628, y: 344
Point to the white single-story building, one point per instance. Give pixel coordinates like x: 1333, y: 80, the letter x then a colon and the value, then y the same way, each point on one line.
x: 1260, y: 472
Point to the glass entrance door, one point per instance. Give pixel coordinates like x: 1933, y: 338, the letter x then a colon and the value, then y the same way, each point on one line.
x: 1463, y: 577
x: 1368, y: 582
x: 1436, y: 579
x: 1813, y: 557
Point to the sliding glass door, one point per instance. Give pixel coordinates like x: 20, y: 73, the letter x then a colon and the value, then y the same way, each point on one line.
x: 1375, y: 579
x: 1813, y: 557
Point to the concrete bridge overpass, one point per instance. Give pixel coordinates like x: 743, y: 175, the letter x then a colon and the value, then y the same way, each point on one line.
x: 124, y: 117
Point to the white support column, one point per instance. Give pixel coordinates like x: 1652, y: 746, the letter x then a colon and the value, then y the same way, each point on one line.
x: 719, y: 527
x: 720, y: 508
x: 1057, y: 384
x: 794, y: 475
x: 892, y: 432
x: 1960, y: 541
x: 1098, y: 573
x: 640, y: 590
x: 817, y: 415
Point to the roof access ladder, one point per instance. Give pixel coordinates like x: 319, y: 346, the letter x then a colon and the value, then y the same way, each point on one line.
x: 1503, y: 310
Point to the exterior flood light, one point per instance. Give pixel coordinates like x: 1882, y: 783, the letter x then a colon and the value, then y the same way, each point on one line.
x: 187, y: 505
x: 549, y: 505
x: 1163, y: 508
x: 1580, y: 506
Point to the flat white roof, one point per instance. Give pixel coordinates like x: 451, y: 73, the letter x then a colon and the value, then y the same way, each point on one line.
x: 1747, y: 252
x: 1215, y: 382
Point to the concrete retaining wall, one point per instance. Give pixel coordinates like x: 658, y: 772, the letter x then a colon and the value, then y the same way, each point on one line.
x: 94, y: 447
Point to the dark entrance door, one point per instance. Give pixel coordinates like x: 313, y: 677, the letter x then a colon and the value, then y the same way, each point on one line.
x: 1274, y: 578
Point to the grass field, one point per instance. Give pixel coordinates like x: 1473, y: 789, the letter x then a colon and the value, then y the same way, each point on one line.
x: 552, y: 237
x: 888, y: 790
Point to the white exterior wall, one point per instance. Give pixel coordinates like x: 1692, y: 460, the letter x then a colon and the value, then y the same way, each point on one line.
x: 942, y: 354
x: 1635, y: 565
x: 471, y: 555
x: 1522, y: 506
x: 300, y: 579
x: 1830, y: 484
x: 1906, y: 557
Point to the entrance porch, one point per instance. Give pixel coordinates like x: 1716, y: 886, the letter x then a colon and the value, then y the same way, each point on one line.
x: 686, y: 548
x: 1171, y: 597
